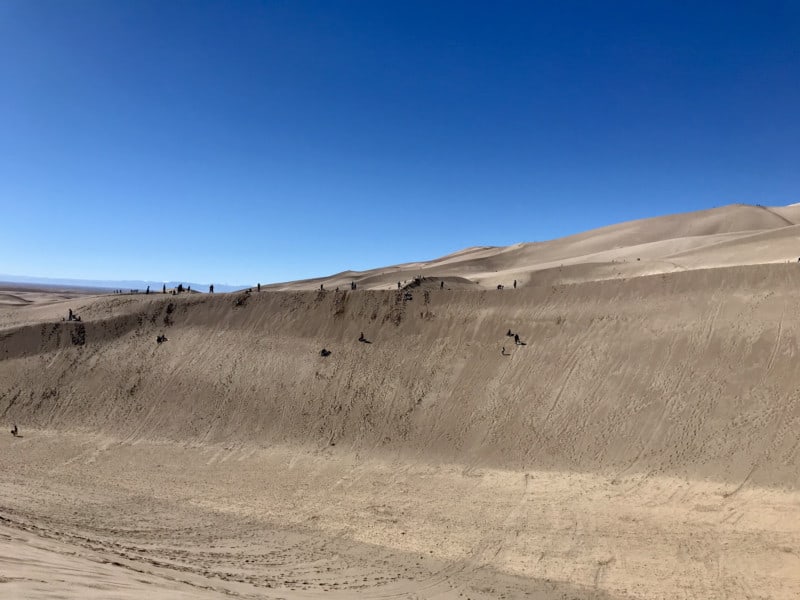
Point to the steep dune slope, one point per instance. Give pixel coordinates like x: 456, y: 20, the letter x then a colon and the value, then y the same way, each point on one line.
x: 691, y: 373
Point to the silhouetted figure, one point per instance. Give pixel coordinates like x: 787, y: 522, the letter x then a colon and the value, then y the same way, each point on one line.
x: 362, y: 339
x: 499, y: 286
x: 180, y: 288
x: 14, y: 430
x: 147, y: 291
x: 515, y: 284
x: 441, y: 285
x: 161, y: 339
x: 509, y: 334
x: 503, y: 351
x: 71, y: 316
x: 211, y: 289
x: 164, y: 289
x: 516, y: 339
x: 398, y: 285
x: 321, y: 288
x: 324, y: 352
x: 189, y: 289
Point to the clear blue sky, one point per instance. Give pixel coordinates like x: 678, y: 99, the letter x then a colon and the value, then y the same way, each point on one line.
x: 265, y: 141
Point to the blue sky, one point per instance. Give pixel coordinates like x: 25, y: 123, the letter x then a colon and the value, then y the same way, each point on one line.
x: 266, y: 141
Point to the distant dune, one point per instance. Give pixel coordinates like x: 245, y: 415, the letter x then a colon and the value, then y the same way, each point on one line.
x: 642, y: 440
x: 12, y: 300
x: 731, y: 235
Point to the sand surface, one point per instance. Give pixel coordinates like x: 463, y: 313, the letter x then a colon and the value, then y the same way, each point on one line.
x: 643, y: 443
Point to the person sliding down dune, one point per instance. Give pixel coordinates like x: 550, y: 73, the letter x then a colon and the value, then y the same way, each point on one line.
x: 362, y: 339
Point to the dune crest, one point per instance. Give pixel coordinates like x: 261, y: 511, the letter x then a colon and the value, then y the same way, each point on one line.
x: 726, y: 236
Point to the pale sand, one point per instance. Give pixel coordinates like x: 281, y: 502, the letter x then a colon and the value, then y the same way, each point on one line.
x: 643, y: 444
x: 728, y: 236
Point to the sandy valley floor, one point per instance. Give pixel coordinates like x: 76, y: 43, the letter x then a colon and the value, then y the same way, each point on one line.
x: 118, y: 520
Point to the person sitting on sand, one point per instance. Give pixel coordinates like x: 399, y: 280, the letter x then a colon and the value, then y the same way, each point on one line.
x: 324, y: 352
x: 14, y: 430
x: 361, y: 338
x: 509, y: 334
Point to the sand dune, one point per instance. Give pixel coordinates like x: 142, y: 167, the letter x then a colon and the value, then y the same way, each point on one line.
x: 658, y: 243
x: 642, y: 443
x: 605, y: 364
x: 13, y: 299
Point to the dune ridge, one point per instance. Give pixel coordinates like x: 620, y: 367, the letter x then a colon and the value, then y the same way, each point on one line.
x: 646, y: 246
x: 607, y: 367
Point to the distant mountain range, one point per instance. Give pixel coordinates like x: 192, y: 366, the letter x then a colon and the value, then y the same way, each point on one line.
x: 118, y: 285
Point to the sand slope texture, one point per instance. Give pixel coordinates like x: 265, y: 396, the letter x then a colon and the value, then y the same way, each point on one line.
x: 642, y: 440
